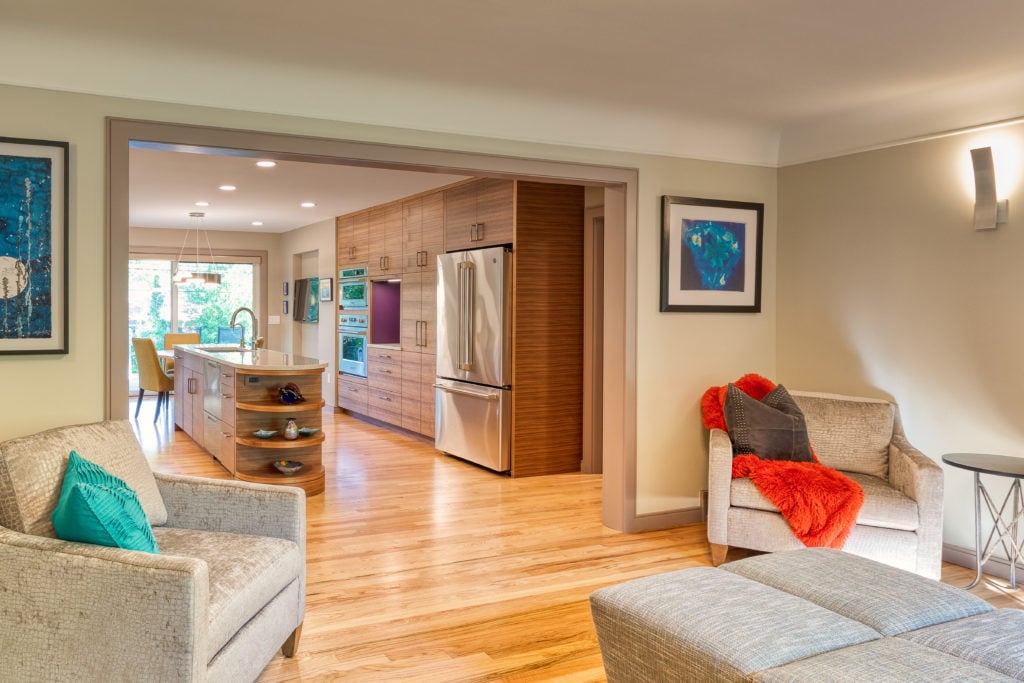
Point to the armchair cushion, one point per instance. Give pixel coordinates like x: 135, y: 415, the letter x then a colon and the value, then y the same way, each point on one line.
x: 772, y: 428
x: 245, y: 573
x: 97, y: 507
x: 849, y: 434
x: 32, y: 469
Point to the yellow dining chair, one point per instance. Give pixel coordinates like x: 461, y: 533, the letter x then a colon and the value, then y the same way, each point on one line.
x: 177, y: 338
x: 151, y: 374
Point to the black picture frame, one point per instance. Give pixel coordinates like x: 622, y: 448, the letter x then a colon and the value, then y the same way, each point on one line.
x: 34, y: 210
x: 711, y: 255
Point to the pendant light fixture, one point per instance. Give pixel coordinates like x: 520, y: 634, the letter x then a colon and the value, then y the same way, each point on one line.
x: 196, y: 277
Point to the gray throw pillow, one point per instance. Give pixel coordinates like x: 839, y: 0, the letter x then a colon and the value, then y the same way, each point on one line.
x: 772, y: 428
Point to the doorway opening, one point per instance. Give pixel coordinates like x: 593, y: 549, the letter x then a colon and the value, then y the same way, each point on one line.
x: 618, y: 356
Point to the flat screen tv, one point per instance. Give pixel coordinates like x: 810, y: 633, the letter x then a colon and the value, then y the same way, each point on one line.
x: 307, y: 302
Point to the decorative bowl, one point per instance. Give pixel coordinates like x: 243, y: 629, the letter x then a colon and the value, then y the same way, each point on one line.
x: 290, y: 394
x: 264, y: 433
x: 308, y: 431
x: 288, y: 466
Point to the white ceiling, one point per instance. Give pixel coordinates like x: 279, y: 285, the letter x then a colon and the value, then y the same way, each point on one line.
x: 164, y: 186
x: 756, y: 81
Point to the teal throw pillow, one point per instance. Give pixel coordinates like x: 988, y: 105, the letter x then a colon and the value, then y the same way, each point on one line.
x: 97, y: 507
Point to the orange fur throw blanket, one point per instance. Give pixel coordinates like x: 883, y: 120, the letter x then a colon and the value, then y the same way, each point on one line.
x: 819, y: 503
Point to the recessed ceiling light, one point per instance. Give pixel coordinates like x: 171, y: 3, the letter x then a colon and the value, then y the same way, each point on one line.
x: 202, y: 203
x: 257, y: 223
x: 266, y: 164
x: 228, y: 188
x: 308, y: 205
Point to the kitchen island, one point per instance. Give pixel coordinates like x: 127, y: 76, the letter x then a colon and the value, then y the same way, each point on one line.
x: 225, y: 395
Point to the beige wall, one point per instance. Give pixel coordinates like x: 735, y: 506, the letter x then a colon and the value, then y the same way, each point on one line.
x: 886, y: 290
x: 312, y: 246
x: 679, y: 354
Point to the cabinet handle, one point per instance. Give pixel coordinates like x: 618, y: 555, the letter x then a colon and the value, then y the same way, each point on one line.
x: 421, y: 261
x: 479, y: 232
x: 472, y: 232
x: 351, y: 252
x: 353, y: 390
x: 383, y: 398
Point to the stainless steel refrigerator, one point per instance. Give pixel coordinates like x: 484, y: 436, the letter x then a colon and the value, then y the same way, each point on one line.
x: 473, y: 391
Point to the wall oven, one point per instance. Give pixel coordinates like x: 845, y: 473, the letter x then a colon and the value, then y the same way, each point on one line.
x: 352, y: 343
x: 353, y: 288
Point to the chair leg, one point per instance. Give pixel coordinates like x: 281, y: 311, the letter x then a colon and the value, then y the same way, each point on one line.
x: 159, y: 404
x: 292, y: 644
x: 138, y: 404
x: 718, y: 553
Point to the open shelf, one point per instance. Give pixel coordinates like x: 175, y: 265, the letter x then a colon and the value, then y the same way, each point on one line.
x: 310, y: 478
x: 281, y: 442
x: 278, y: 407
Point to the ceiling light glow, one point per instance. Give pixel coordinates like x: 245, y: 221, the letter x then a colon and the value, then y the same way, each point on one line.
x: 228, y: 188
x: 308, y: 205
x: 202, y: 203
x: 257, y: 223
x: 266, y: 163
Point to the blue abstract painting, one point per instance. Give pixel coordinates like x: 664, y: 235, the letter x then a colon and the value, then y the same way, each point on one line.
x: 26, y: 247
x: 713, y: 255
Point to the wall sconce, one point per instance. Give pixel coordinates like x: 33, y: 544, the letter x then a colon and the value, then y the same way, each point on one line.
x: 988, y: 212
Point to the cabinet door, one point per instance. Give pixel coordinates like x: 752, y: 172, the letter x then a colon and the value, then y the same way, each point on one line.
x: 411, y: 391
x: 385, y: 228
x: 353, y: 243
x: 412, y: 295
x: 428, y: 312
x: 198, y: 413
x: 459, y: 217
x: 494, y: 212
x: 412, y: 235
x: 428, y: 370
x: 180, y: 390
x: 432, y: 223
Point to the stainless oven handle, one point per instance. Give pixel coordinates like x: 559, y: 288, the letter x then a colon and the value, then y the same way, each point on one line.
x: 467, y: 392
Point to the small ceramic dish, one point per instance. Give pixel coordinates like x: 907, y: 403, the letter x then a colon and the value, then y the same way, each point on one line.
x: 264, y: 433
x: 308, y: 431
x: 288, y: 466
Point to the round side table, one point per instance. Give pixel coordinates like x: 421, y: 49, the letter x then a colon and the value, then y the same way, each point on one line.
x: 1006, y: 524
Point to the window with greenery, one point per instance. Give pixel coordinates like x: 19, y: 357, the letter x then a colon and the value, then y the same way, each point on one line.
x: 156, y: 306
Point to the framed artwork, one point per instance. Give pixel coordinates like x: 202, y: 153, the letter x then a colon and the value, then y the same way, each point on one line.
x: 711, y: 255
x: 284, y: 288
x: 33, y: 246
x: 326, y: 289
x: 284, y: 308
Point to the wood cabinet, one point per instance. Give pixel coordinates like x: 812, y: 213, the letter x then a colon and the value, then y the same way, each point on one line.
x: 419, y: 312
x: 422, y: 232
x: 418, y: 373
x: 188, y: 395
x: 352, y: 393
x: 385, y: 240
x: 384, y: 385
x: 479, y: 213
x: 353, y: 239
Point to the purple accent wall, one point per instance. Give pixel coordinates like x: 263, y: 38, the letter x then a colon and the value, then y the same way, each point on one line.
x: 385, y: 312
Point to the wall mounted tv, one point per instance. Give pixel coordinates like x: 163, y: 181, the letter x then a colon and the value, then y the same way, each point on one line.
x: 307, y: 301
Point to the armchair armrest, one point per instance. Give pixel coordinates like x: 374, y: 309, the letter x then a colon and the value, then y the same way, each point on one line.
x: 82, y: 612
x: 920, y: 478
x: 719, y: 486
x: 236, y: 507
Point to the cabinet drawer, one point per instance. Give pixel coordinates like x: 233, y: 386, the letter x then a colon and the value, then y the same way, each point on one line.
x: 385, y: 405
x: 386, y: 376
x: 352, y: 396
x: 379, y: 355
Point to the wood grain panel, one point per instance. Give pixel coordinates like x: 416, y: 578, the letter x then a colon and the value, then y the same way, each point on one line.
x: 385, y: 228
x: 421, y: 567
x: 547, y: 363
x: 352, y: 395
x: 386, y: 376
x: 494, y: 210
x: 459, y: 215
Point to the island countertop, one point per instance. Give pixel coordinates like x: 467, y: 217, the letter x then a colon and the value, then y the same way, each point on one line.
x: 250, y: 360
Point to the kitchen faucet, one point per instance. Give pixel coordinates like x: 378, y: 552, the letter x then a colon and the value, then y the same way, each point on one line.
x: 255, y: 326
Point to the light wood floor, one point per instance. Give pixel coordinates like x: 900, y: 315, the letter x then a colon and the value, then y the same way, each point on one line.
x: 425, y: 568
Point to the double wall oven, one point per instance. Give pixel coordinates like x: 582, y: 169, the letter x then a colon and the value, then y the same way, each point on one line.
x: 353, y: 320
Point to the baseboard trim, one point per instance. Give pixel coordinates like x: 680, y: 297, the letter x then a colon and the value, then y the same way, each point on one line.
x: 665, y: 520
x: 965, y: 557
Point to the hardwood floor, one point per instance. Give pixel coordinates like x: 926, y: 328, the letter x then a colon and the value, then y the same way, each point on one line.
x: 422, y: 567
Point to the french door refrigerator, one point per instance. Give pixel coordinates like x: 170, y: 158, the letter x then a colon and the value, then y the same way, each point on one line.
x: 473, y: 390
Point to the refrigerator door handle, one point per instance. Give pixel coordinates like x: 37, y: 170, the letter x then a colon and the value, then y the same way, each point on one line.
x: 467, y: 295
x: 489, y: 396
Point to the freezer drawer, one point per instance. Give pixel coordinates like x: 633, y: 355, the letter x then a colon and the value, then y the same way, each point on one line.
x: 473, y: 422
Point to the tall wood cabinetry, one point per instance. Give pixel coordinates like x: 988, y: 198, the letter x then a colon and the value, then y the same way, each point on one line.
x: 353, y: 239
x: 544, y: 223
x: 385, y: 240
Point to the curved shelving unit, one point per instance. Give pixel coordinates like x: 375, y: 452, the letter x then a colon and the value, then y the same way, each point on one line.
x: 280, y: 441
x: 310, y: 478
x: 269, y: 407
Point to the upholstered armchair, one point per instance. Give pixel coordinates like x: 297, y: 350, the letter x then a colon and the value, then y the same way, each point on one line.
x: 900, y: 522
x: 223, y: 596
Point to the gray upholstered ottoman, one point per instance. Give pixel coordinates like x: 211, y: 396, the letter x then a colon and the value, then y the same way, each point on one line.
x: 810, y: 614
